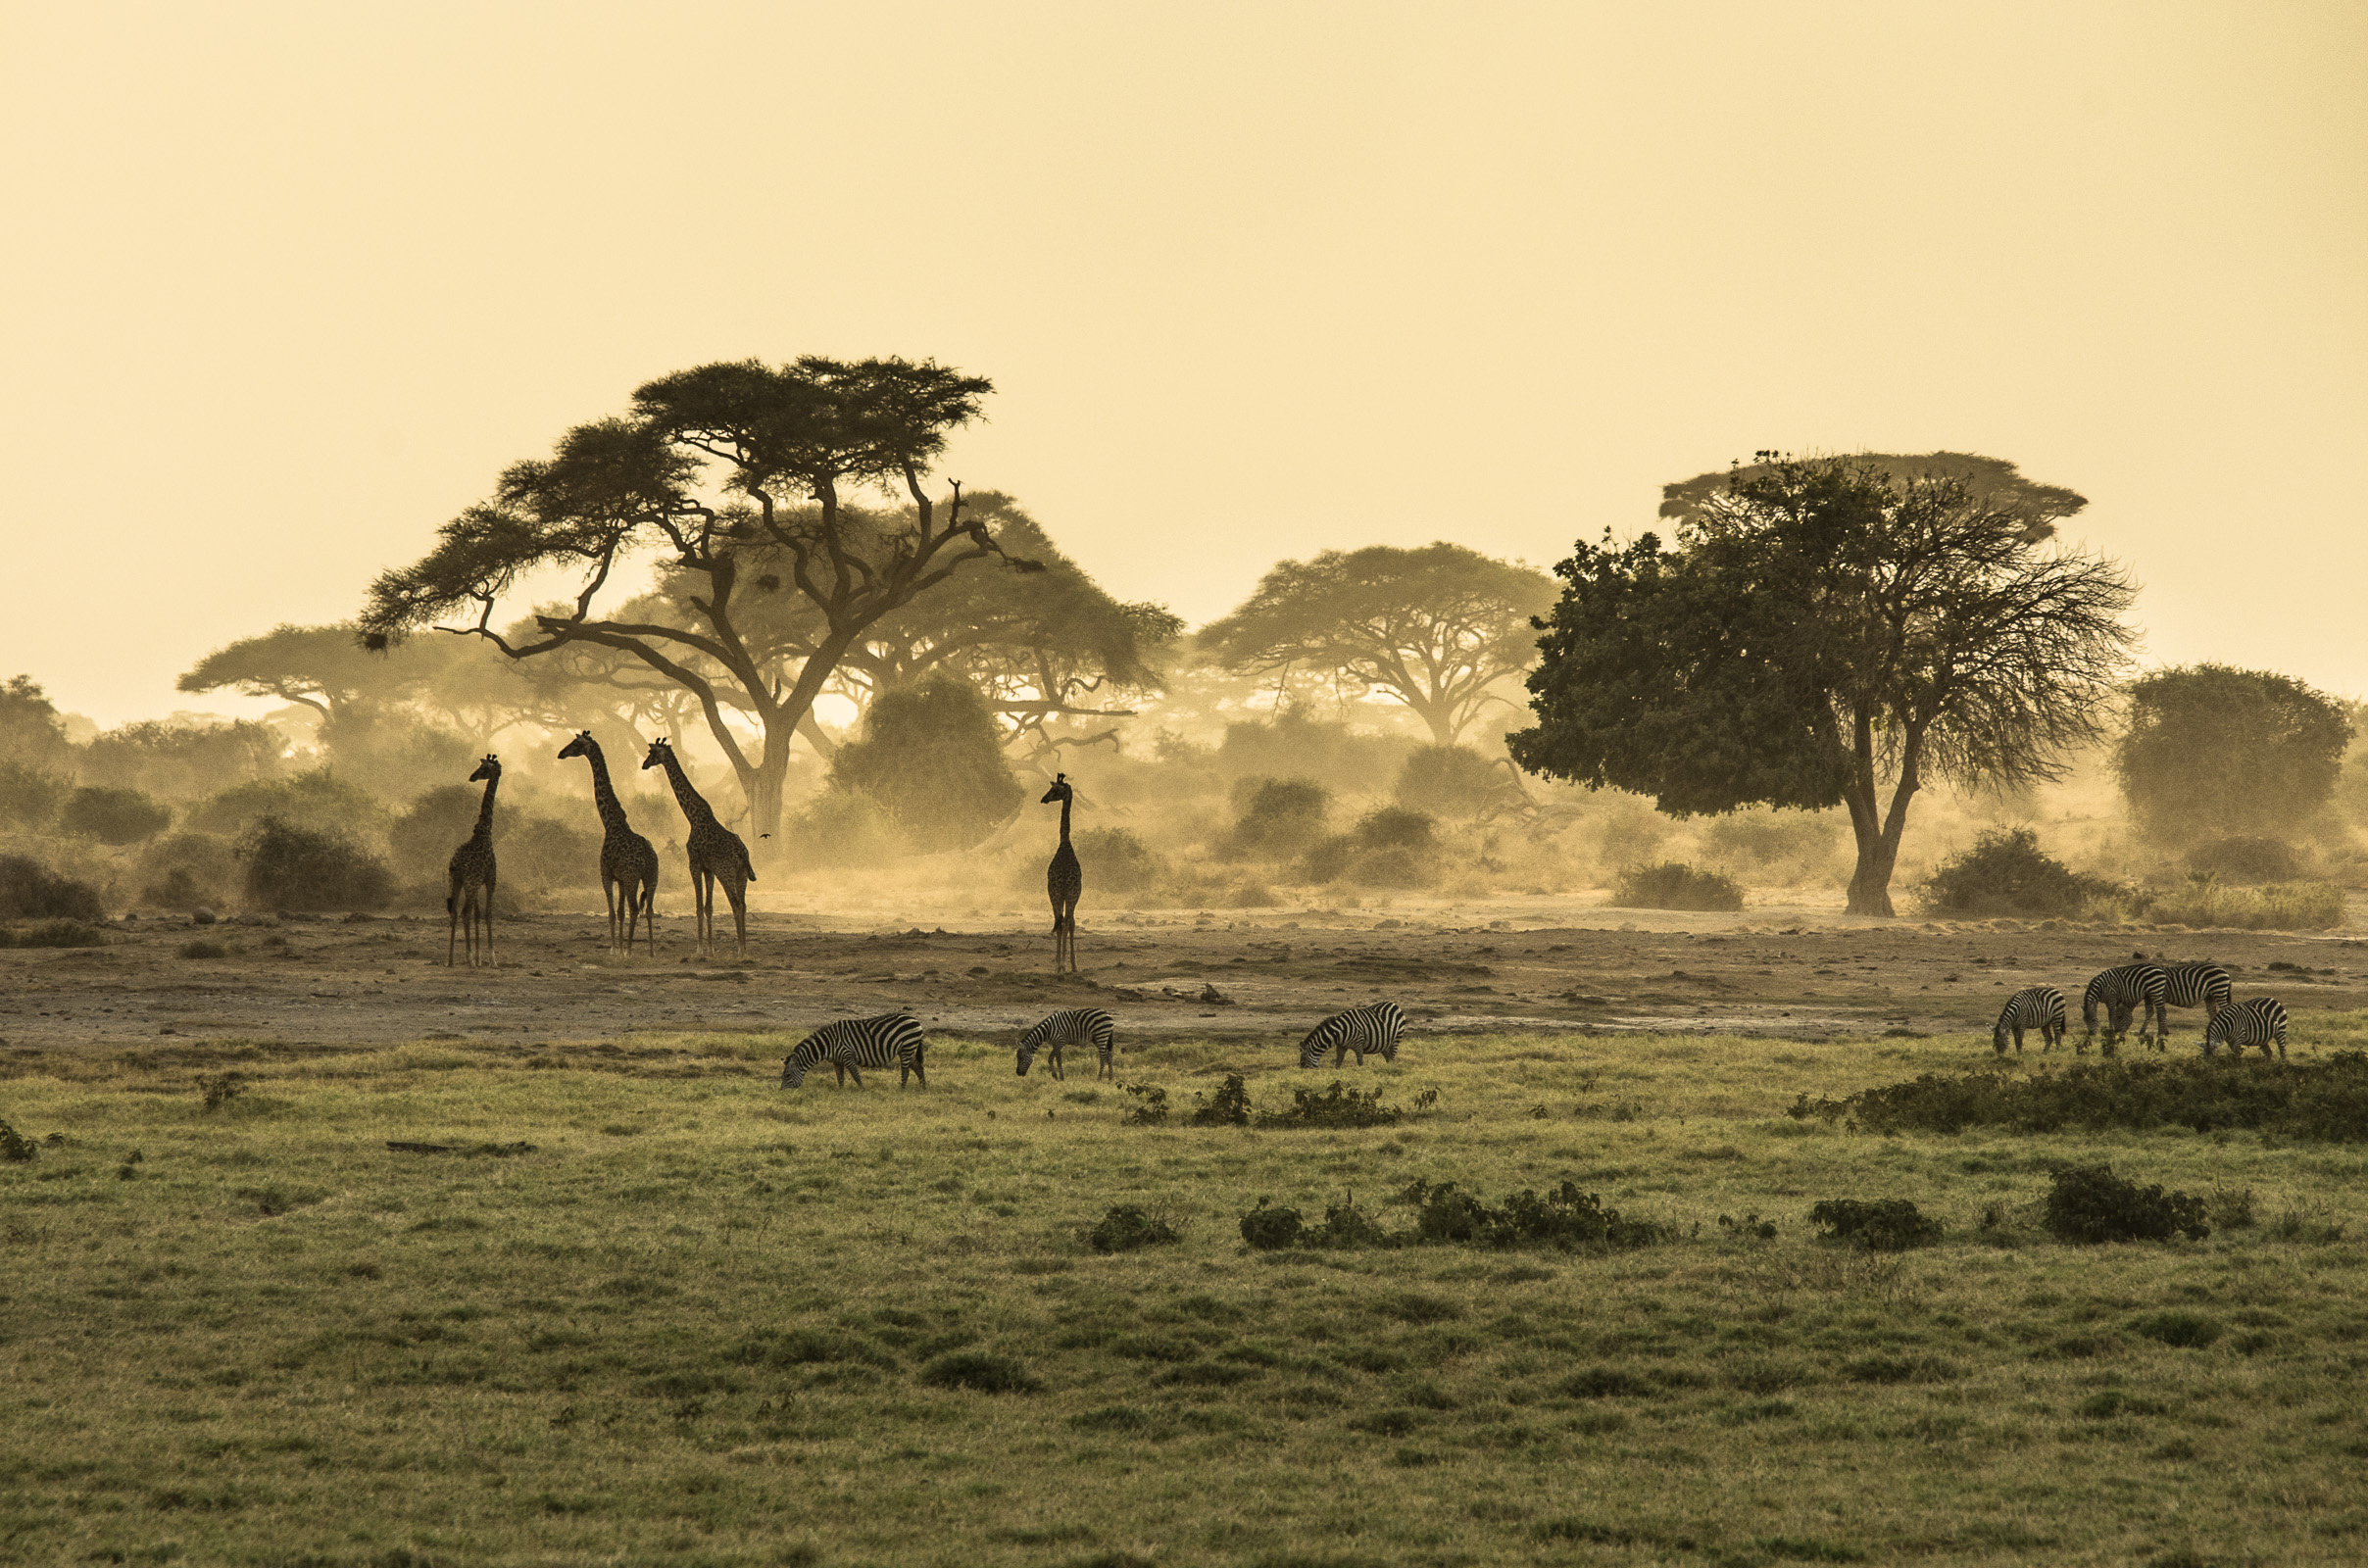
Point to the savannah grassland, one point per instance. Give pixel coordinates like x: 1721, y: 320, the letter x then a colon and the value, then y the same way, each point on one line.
x: 700, y: 1322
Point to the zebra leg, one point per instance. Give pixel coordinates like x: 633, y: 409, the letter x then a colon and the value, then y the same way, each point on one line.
x: 855, y: 1071
x: 1058, y: 1075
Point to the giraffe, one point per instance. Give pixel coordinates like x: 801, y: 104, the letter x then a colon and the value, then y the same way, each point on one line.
x: 627, y: 862
x: 715, y: 850
x: 1064, y: 880
x: 470, y: 895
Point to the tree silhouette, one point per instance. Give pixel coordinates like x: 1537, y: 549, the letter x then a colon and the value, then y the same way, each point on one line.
x: 2214, y: 752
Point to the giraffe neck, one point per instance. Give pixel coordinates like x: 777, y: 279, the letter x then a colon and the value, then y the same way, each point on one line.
x: 693, y: 806
x: 485, y: 809
x: 1064, y: 821
x: 603, y: 794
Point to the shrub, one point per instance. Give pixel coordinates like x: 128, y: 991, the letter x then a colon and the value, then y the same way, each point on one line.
x: 423, y: 838
x: 15, y: 1147
x: 1269, y: 1230
x: 112, y: 816
x: 1564, y: 1218
x: 289, y: 867
x: 30, y: 798
x: 978, y: 1370
x: 2324, y: 1100
x: 1455, y: 781
x: 1127, y: 1228
x: 1120, y: 861
x: 1675, y: 885
x: 320, y: 799
x: 2089, y: 1204
x: 2278, y: 907
x: 1884, y: 1225
x: 930, y: 753
x: 202, y: 948
x: 29, y: 890
x: 1337, y: 1106
x: 2247, y: 859
x: 1345, y: 1226
x: 1229, y: 1106
x: 1278, y: 816
x: 543, y: 853
x: 219, y: 1092
x: 1392, y: 827
x: 181, y: 760
x: 852, y: 829
x: 1149, y: 1108
x: 56, y: 934
x: 1794, y: 845
x: 2006, y: 872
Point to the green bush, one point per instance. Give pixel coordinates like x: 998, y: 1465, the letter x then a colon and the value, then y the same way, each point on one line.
x: 1337, y: 1106
x: 202, y: 948
x: 30, y: 891
x: 15, y: 1148
x: 2089, y: 1204
x: 289, y: 867
x: 187, y: 870
x: 1455, y: 782
x: 1229, y: 1106
x: 1566, y: 1219
x: 1150, y: 1108
x: 30, y: 798
x: 2247, y: 859
x: 2320, y: 1102
x: 1278, y: 817
x: 849, y: 828
x: 1271, y: 1230
x: 1884, y: 1225
x: 1127, y: 1228
x: 56, y: 934
x: 2008, y: 873
x: 1790, y: 845
x: 1675, y: 885
x: 2278, y: 907
x: 543, y: 853
x: 1118, y: 861
x: 930, y: 754
x: 113, y: 817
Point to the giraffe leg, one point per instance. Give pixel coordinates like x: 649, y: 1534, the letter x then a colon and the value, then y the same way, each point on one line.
x: 649, y: 913
x: 737, y: 893
x: 452, y: 927
x: 490, y: 963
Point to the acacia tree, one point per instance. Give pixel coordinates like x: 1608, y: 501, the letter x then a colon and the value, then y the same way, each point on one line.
x: 1433, y: 629
x: 713, y: 463
x: 1826, y: 632
x: 2215, y: 752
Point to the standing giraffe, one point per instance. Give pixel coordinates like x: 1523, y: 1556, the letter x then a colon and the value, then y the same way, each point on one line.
x: 715, y: 850
x: 471, y: 891
x: 1064, y: 880
x: 627, y: 862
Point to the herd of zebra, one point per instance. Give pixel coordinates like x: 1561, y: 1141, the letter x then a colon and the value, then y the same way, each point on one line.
x: 2156, y: 988
x: 894, y: 1040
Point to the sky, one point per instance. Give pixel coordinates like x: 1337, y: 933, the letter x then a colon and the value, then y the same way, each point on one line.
x: 288, y: 284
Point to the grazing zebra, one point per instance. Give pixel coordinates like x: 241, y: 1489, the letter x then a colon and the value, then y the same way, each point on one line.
x: 2121, y: 990
x: 1359, y: 1029
x: 2247, y: 1024
x: 2040, y: 1008
x: 1073, y: 1026
x: 854, y: 1044
x: 2198, y: 985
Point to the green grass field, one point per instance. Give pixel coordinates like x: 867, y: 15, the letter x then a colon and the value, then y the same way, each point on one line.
x: 709, y: 1321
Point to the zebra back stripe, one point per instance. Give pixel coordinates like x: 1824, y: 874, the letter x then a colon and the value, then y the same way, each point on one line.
x: 2122, y: 989
x: 890, y: 1038
x: 1071, y: 1026
x: 2259, y: 1022
x: 2037, y: 1008
x: 1373, y: 1028
x: 2198, y: 985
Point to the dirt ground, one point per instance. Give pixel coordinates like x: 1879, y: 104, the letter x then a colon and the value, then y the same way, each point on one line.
x: 1528, y: 963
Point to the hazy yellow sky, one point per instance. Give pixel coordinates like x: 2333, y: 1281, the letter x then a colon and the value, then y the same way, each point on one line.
x: 288, y: 284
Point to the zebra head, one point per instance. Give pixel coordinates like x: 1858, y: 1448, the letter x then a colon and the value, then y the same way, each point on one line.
x: 1998, y: 1035
x: 1029, y: 1041
x: 794, y: 1068
x: 1312, y: 1050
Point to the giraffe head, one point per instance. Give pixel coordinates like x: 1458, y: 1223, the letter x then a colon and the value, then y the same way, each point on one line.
x: 660, y: 753
x: 488, y: 770
x: 1060, y: 791
x: 582, y: 746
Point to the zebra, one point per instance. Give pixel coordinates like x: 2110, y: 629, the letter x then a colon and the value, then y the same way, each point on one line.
x: 2247, y: 1024
x: 1359, y: 1029
x: 2121, y: 990
x: 854, y: 1044
x: 2040, y: 1008
x: 2198, y: 985
x: 1073, y: 1026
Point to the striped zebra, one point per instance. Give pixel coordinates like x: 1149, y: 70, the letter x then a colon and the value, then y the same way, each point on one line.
x: 2040, y: 1008
x: 1359, y: 1029
x: 2198, y: 985
x: 1073, y: 1026
x: 854, y: 1044
x: 2247, y: 1024
x: 2121, y: 991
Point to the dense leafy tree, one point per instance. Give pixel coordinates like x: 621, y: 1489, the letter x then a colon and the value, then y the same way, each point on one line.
x: 31, y: 732
x: 113, y: 817
x: 1993, y: 481
x: 180, y: 759
x: 1434, y: 628
x: 2214, y: 752
x: 930, y: 754
x: 712, y: 463
x: 1821, y: 632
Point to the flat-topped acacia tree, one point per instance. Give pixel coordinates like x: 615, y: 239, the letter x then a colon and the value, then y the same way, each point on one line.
x: 712, y: 464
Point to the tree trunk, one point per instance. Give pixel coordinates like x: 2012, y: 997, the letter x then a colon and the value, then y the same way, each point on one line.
x: 1878, y: 834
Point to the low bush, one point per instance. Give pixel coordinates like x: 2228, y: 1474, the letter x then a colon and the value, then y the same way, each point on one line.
x: 201, y: 948
x: 1229, y: 1106
x: 2008, y: 873
x: 1278, y: 816
x: 1455, y: 782
x: 112, y: 816
x: 30, y: 798
x: 56, y: 934
x: 1127, y: 1228
x: 1271, y: 1230
x: 1150, y: 1108
x: 2277, y: 907
x: 852, y: 829
x: 15, y: 1148
x: 979, y: 1371
x: 290, y: 867
x: 32, y: 891
x: 187, y: 870
x: 2088, y: 1204
x: 1882, y: 1225
x: 1566, y: 1219
x: 2321, y: 1102
x: 2247, y: 859
x: 1784, y: 846
x: 1337, y: 1106
x: 1675, y: 885
x: 1122, y: 863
